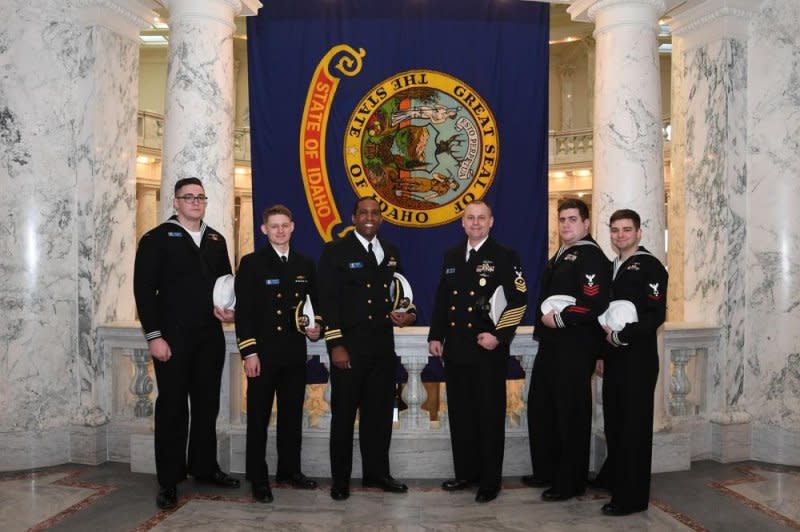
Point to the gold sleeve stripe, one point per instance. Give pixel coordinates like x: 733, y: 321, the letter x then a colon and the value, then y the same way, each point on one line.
x: 247, y: 343
x: 511, y: 318
x: 333, y: 334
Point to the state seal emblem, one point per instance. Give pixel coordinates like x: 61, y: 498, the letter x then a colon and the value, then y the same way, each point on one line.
x: 423, y: 144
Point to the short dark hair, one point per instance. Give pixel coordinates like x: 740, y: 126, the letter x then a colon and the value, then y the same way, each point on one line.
x: 180, y: 183
x: 479, y: 202
x: 574, y: 203
x: 276, y: 209
x: 626, y: 214
x: 359, y: 200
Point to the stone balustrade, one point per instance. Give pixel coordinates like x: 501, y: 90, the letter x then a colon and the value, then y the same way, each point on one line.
x: 421, y: 438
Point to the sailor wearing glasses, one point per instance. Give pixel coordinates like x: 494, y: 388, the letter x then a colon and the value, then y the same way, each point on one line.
x: 177, y: 265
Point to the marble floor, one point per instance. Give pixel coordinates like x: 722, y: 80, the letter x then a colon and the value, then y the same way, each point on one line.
x: 747, y: 496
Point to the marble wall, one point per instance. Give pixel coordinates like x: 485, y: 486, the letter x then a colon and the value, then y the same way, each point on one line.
x: 67, y: 135
x: 715, y: 85
x: 771, y: 364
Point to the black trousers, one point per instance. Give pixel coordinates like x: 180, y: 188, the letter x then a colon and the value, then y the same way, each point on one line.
x: 369, y: 387
x: 476, y: 402
x: 192, y: 374
x: 289, y: 383
x: 560, y: 415
x: 629, y: 382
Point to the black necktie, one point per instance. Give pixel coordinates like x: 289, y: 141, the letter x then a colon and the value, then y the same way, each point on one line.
x: 283, y: 259
x: 372, y: 255
x: 471, y: 254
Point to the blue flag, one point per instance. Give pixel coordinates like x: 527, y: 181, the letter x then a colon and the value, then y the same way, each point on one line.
x: 423, y: 105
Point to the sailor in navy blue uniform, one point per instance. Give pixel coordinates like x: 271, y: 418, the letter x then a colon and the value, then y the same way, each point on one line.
x: 355, y: 273
x: 270, y: 286
x: 476, y: 349
x: 630, y: 369
x: 570, y: 341
x: 176, y: 266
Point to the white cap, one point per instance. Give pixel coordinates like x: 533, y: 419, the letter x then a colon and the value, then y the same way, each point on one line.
x: 224, y: 295
x: 557, y: 302
x: 618, y: 313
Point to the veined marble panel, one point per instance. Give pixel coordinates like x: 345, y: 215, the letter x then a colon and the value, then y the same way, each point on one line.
x: 715, y: 83
x: 772, y: 359
x: 106, y: 207
x: 42, y: 57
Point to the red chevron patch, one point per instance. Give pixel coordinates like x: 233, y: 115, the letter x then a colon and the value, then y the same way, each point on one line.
x: 592, y: 290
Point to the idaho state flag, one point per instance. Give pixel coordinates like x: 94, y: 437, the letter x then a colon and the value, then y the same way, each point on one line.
x: 425, y: 105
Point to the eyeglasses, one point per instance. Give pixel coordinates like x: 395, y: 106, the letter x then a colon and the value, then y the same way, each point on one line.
x: 190, y: 198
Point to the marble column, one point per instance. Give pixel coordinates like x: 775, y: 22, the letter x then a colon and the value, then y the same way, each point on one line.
x: 628, y: 145
x: 245, y: 230
x: 771, y: 359
x: 590, y: 45
x: 712, y: 39
x: 66, y: 234
x: 567, y: 74
x: 199, y: 104
x: 146, y: 210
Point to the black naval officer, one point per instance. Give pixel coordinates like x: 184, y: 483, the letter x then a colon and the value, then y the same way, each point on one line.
x: 270, y: 285
x: 570, y: 341
x: 630, y: 368
x: 177, y: 264
x: 354, y: 277
x: 475, y: 349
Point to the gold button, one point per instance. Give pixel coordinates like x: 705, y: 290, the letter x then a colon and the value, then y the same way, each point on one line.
x: 469, y: 326
x: 452, y: 324
x: 472, y: 292
x: 387, y: 299
x: 369, y: 317
x: 469, y: 309
x: 453, y: 307
x: 369, y: 285
x: 280, y: 295
x: 369, y: 301
x: 296, y: 294
x: 455, y: 292
x: 280, y: 328
x: 280, y: 312
x: 385, y: 285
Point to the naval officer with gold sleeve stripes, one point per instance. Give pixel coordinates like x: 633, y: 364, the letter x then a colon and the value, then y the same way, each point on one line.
x: 476, y: 349
x: 271, y: 287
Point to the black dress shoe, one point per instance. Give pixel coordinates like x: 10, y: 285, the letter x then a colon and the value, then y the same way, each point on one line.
x: 486, y: 495
x: 298, y: 480
x: 221, y: 479
x: 455, y: 485
x: 340, y: 494
x: 551, y: 495
x: 386, y: 484
x: 262, y: 492
x: 167, y: 498
x: 533, y: 482
x: 614, y: 510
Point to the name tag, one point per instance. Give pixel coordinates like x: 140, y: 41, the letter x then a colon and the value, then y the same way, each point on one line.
x: 449, y: 271
x: 356, y: 265
x: 273, y: 282
x: 175, y: 234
